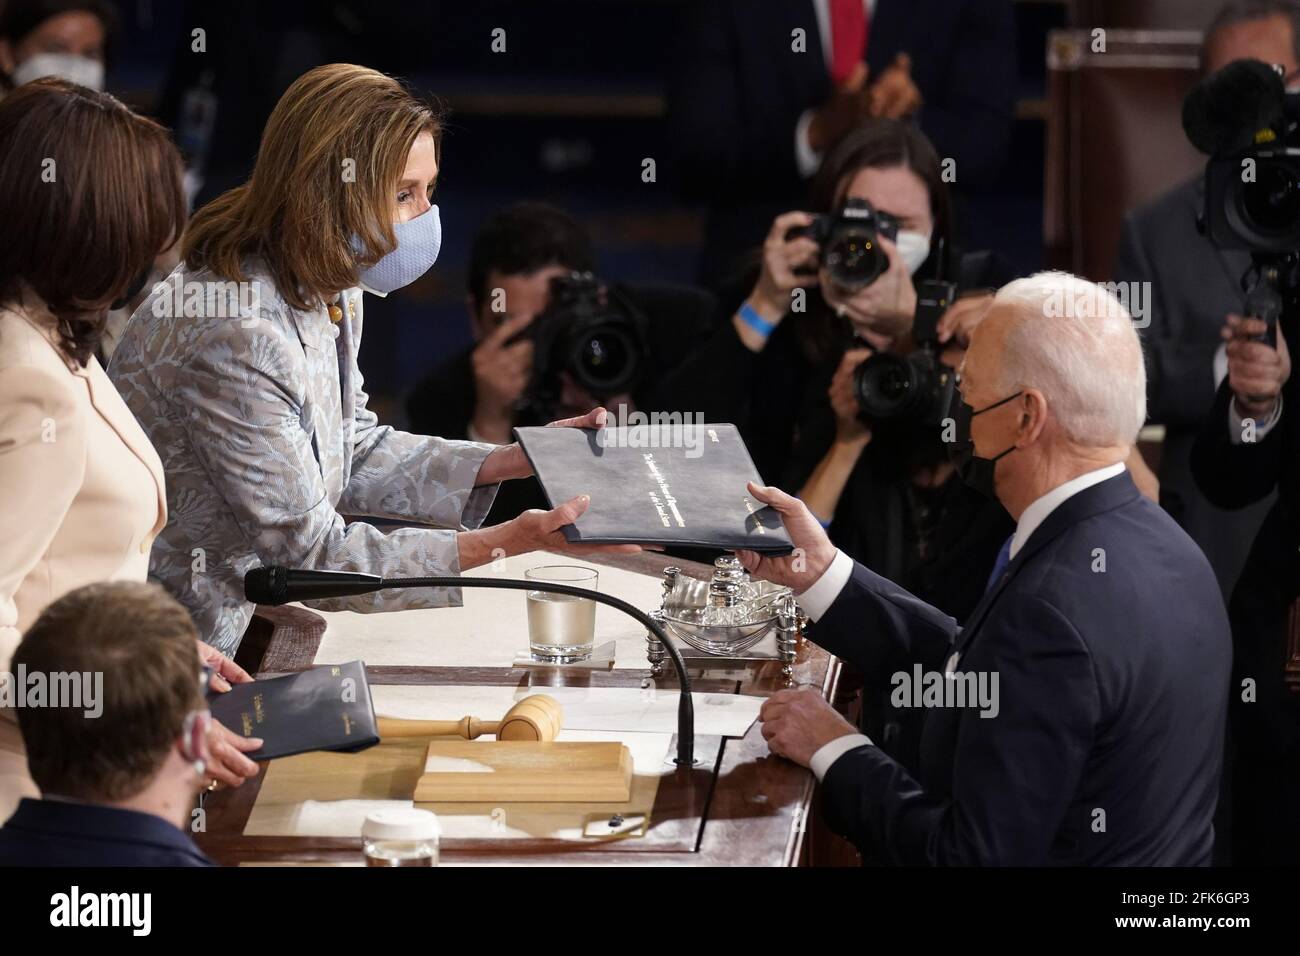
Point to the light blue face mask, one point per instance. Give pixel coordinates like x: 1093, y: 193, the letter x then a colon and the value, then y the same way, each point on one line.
x: 418, y: 242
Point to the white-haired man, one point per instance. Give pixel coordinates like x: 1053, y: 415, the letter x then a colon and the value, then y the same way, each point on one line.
x: 1078, y: 717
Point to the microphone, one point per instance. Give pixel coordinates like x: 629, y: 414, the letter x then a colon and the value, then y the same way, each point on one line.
x: 1224, y: 111
x: 275, y: 585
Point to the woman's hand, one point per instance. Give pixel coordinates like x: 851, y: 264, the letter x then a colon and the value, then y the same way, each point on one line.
x: 534, y: 530
x: 778, y: 279
x: 849, y: 427
x: 959, y: 321
x: 227, y: 765
x: 885, y: 308
x: 224, y: 671
x: 509, y: 461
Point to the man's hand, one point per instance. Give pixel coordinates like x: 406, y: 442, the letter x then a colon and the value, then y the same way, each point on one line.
x: 227, y: 764
x: 798, y: 723
x: 224, y: 671
x: 894, y: 95
x: 847, y: 106
x: 534, y: 530
x: 509, y: 461
x: 1256, y: 372
x: 813, y: 551
x: 501, y: 373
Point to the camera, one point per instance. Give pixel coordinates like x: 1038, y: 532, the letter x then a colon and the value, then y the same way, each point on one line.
x: 592, y: 332
x: 1245, y: 120
x: 915, y: 388
x: 850, y: 247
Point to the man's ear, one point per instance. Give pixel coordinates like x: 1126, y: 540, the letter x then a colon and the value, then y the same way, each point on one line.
x: 1031, y: 417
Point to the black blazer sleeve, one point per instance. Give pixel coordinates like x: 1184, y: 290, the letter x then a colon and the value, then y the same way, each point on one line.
x: 1233, y: 476
x: 1180, y: 373
x: 1014, y: 774
x: 879, y: 627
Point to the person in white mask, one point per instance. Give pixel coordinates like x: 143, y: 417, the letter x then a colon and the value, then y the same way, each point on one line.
x: 242, y: 368
x: 62, y: 38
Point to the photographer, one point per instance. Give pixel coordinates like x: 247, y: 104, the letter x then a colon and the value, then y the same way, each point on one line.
x: 516, y: 260
x: 1249, y: 446
x: 1194, y: 285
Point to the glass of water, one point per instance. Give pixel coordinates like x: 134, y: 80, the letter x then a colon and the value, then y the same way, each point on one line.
x: 561, y: 628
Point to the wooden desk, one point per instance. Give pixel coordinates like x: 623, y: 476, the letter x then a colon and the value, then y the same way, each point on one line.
x: 740, y: 806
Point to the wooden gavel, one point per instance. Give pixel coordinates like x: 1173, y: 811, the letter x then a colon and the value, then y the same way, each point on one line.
x: 536, y: 717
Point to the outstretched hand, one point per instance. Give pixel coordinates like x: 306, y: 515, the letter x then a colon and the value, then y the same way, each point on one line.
x: 813, y: 551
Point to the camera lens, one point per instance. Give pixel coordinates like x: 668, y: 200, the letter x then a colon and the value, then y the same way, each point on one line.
x: 1271, y: 204
x: 855, y: 258
x: 604, y: 360
x: 887, y: 386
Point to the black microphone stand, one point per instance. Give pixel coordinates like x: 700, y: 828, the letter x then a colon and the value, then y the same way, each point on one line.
x: 361, y: 584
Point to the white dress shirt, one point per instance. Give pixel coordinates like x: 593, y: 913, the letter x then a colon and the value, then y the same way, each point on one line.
x: 817, y: 599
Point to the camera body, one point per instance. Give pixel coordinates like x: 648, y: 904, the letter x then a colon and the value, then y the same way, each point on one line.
x: 592, y: 332
x: 849, y: 242
x: 915, y: 388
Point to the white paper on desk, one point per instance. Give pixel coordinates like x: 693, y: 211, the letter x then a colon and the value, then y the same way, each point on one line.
x: 617, y: 709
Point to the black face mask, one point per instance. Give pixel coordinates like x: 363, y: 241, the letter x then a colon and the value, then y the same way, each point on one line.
x: 975, y: 471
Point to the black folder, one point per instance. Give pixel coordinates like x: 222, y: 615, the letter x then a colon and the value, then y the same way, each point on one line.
x: 665, y: 484
x: 325, y: 708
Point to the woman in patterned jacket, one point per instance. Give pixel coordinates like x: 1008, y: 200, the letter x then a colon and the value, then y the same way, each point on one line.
x: 242, y: 368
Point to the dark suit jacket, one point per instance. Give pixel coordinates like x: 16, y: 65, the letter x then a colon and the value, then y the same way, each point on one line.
x: 736, y: 90
x: 1265, y: 798
x: 1112, y: 692
x: 1194, y: 285
x: 55, y: 833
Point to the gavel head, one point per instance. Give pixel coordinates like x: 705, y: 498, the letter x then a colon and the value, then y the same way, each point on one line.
x: 534, y: 718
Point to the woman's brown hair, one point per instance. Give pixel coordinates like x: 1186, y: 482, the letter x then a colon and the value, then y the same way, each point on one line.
x: 331, y: 157
x: 876, y: 144
x: 90, y: 194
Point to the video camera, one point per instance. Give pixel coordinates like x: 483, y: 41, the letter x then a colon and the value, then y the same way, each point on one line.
x: 1244, y: 119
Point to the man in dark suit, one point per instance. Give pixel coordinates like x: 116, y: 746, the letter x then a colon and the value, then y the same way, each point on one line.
x: 483, y: 393
x: 759, y: 90
x: 1249, y: 449
x: 1077, y: 718
x: 1193, y: 286
x: 118, y: 767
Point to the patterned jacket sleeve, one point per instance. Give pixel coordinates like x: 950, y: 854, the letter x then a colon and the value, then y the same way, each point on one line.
x: 414, y: 477
x: 241, y: 398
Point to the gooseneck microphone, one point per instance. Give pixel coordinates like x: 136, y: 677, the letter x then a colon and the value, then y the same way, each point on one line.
x: 275, y: 585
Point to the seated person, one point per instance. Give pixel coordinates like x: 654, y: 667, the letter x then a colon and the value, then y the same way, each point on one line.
x: 486, y: 391
x: 1101, y: 650
x: 118, y: 788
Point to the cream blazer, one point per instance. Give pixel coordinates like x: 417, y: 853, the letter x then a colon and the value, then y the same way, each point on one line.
x: 81, y: 490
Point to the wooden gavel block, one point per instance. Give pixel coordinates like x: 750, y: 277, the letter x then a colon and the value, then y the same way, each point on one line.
x: 536, y: 717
